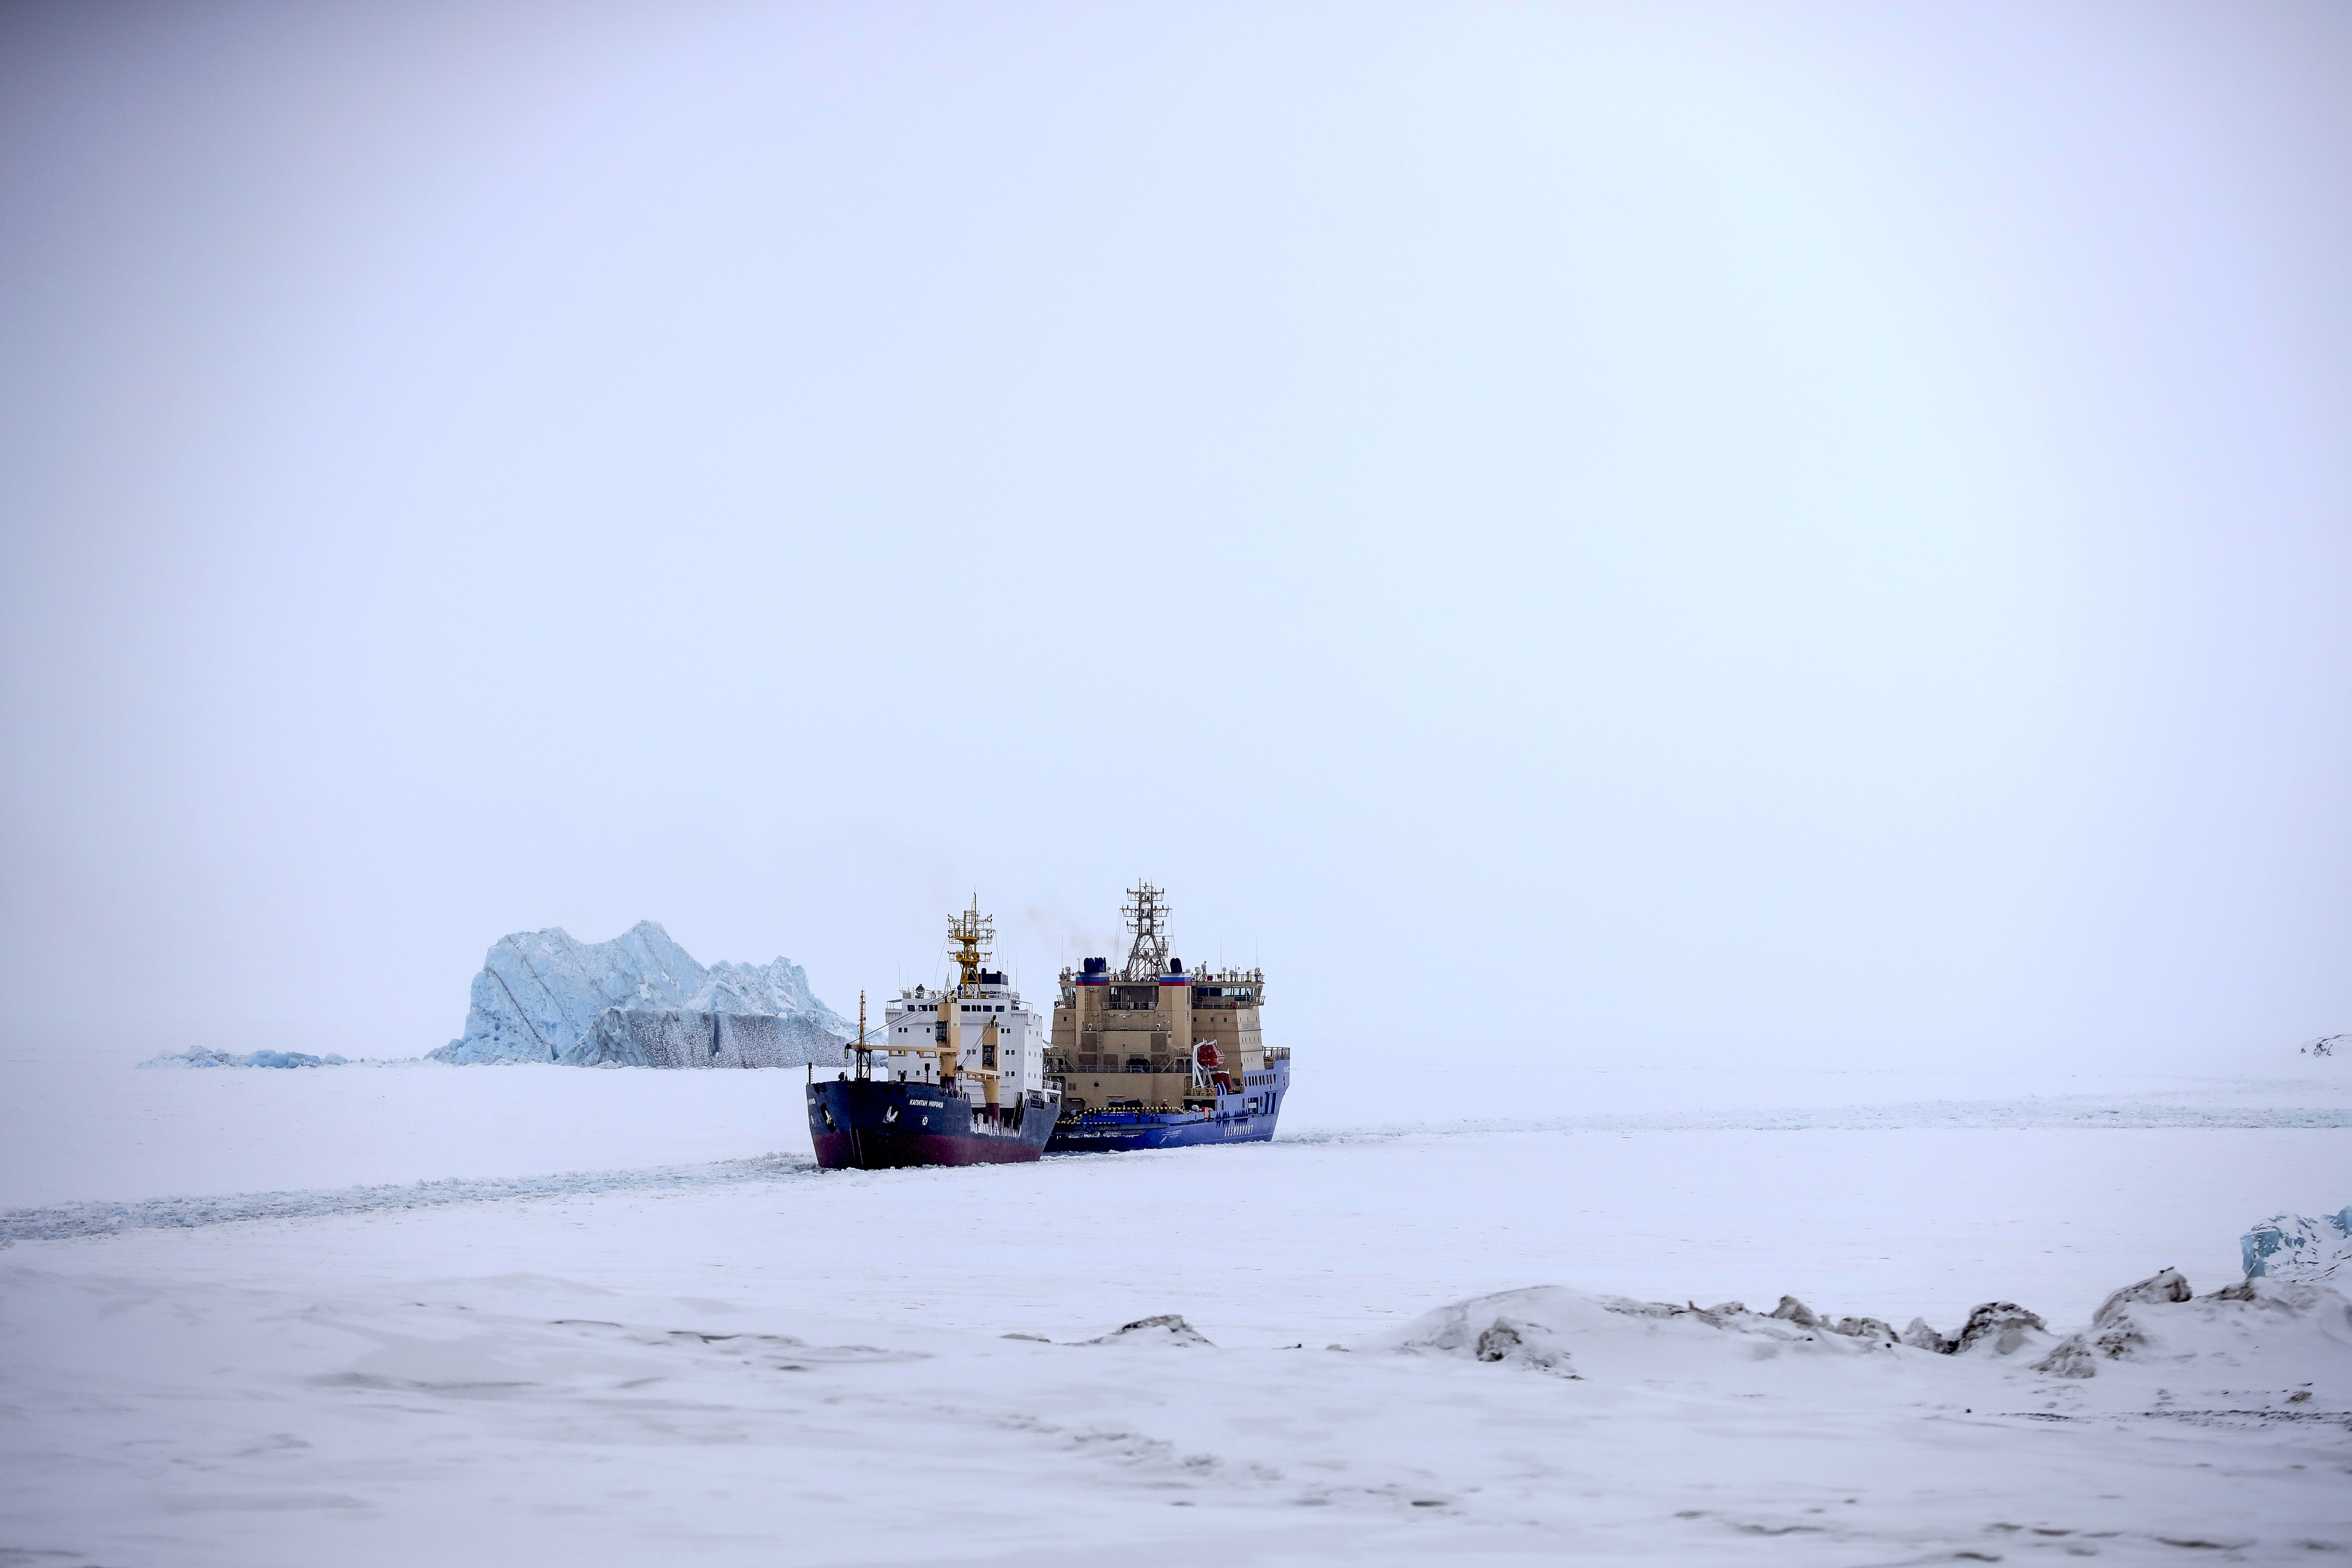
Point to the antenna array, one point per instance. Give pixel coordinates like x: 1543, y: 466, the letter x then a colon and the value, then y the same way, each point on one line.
x: 1147, y: 917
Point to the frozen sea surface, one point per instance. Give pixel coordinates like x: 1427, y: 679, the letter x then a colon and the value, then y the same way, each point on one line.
x: 815, y: 1369
x: 623, y: 1321
x: 88, y: 1127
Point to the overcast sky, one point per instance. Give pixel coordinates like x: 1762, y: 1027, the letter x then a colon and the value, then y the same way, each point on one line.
x: 1810, y: 534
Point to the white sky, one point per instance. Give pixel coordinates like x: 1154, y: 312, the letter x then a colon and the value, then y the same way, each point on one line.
x: 1788, y: 535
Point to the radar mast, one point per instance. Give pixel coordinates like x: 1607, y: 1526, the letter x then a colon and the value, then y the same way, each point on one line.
x: 974, y: 935
x: 1147, y: 917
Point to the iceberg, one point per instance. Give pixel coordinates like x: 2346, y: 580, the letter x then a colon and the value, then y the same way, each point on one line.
x: 639, y: 1000
x: 2291, y: 1246
x: 677, y: 1038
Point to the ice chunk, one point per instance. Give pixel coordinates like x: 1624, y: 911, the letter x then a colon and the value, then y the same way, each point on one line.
x: 1518, y: 1338
x: 2073, y: 1356
x: 2291, y: 1246
x: 540, y: 993
x: 2004, y: 1328
x: 1921, y: 1336
x: 1553, y: 1328
x: 1167, y: 1328
x: 2116, y: 1332
x: 1525, y: 1345
x: 1872, y: 1329
x: 2285, y: 1323
x: 2165, y: 1285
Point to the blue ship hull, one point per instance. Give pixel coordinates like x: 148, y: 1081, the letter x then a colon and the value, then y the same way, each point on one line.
x: 1247, y: 1117
x: 881, y: 1124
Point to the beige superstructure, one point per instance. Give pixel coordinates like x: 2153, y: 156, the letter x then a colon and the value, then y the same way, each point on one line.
x: 1131, y: 1038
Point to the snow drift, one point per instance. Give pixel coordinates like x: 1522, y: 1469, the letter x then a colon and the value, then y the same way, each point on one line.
x: 2160, y: 1323
x: 1553, y: 1328
x: 639, y: 1000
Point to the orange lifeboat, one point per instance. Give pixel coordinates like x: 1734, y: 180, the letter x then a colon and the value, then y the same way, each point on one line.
x: 1212, y: 1063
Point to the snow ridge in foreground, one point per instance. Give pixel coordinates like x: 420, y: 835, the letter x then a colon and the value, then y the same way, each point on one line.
x: 2275, y: 1340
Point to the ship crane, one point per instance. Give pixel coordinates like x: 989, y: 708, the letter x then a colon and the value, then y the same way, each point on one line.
x: 864, y: 1052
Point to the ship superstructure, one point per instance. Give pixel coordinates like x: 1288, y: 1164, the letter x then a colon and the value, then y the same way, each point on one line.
x: 981, y: 1031
x: 956, y: 1076
x: 1150, y: 1056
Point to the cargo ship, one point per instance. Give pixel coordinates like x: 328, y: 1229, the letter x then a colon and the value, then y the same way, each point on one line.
x: 956, y: 1078
x: 1154, y: 1057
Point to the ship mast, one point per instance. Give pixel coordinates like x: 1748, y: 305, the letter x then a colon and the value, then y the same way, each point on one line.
x: 1147, y: 917
x: 974, y: 935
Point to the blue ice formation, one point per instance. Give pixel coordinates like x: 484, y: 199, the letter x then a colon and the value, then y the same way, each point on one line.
x: 639, y: 1000
x: 203, y: 1057
x: 2292, y: 1246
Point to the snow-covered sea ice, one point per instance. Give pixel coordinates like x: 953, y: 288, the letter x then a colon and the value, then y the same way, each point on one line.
x: 1533, y: 1354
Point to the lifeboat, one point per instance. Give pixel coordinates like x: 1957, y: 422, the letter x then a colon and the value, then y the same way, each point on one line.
x: 1213, y: 1064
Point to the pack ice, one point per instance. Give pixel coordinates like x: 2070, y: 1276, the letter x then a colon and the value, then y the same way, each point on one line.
x: 639, y: 1000
x: 205, y: 1056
